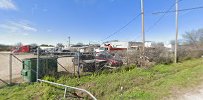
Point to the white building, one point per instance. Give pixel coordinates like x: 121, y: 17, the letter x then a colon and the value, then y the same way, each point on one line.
x: 47, y: 47
x: 148, y: 44
x: 116, y: 44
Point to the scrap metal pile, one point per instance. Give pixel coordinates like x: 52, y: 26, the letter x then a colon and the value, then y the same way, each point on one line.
x: 92, y: 63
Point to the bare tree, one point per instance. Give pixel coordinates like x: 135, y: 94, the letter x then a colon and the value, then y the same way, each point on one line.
x: 194, y: 38
x: 19, y: 44
x: 158, y: 44
x: 33, y: 45
x: 172, y: 42
x: 60, y: 45
x: 79, y: 43
x: 194, y: 44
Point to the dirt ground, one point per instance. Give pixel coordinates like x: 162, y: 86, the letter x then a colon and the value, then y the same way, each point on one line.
x: 17, y: 66
x: 193, y: 94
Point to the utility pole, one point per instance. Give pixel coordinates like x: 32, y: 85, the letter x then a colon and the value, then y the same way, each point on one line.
x: 176, y: 41
x: 143, y: 29
x: 69, y: 41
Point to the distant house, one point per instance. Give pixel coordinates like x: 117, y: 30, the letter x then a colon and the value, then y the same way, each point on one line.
x: 134, y: 45
x: 84, y: 48
x: 118, y: 45
x: 77, y: 47
x: 114, y: 46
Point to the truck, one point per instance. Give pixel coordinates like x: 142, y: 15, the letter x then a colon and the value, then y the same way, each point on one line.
x: 24, y: 49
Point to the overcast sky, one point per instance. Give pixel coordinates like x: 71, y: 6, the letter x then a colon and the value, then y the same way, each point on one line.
x: 52, y: 21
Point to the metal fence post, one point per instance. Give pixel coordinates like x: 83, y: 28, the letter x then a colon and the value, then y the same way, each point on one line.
x: 78, y: 64
x: 37, y: 74
x: 95, y: 61
x: 127, y: 57
x: 10, y: 68
x: 65, y: 92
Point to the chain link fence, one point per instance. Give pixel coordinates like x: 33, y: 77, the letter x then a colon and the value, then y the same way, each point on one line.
x: 11, y: 66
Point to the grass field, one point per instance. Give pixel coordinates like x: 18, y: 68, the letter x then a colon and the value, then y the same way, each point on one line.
x: 127, y: 83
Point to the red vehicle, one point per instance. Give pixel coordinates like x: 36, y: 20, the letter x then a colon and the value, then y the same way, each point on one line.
x: 112, y: 60
x: 22, y: 49
x: 110, y: 48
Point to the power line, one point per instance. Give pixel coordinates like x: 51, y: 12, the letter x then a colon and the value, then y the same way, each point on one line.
x: 135, y: 18
x: 160, y: 18
x: 194, y: 8
x: 121, y: 28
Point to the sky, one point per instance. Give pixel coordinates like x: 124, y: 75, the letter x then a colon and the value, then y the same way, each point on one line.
x: 91, y: 21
